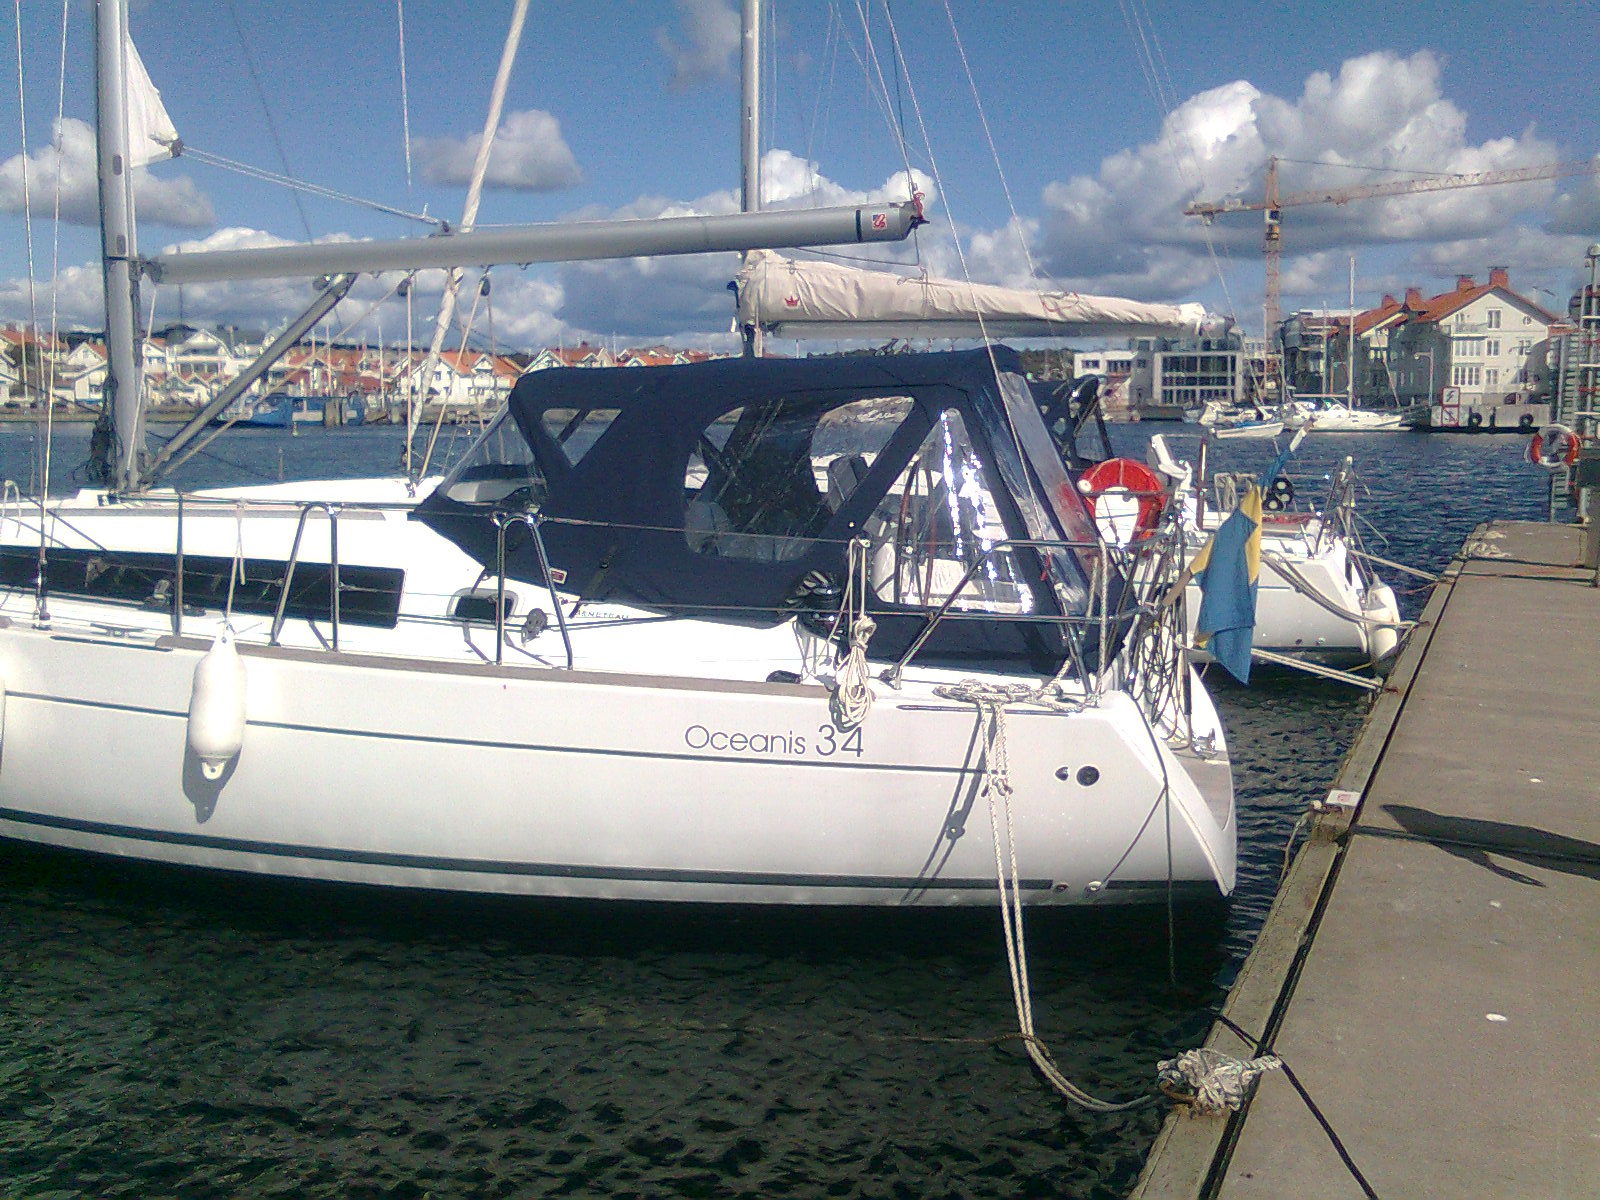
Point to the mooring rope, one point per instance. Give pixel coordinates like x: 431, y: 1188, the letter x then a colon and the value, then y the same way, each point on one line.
x: 991, y: 700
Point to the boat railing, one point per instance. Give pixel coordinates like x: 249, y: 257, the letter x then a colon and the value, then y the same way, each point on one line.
x: 1143, y: 568
x: 1339, y: 510
x: 332, y: 510
x: 1124, y: 588
x: 531, y: 521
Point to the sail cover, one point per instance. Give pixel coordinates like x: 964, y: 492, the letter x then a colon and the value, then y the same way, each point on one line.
x: 820, y: 299
x: 151, y: 135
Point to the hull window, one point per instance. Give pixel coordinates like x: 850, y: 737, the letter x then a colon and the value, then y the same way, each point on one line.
x: 367, y: 595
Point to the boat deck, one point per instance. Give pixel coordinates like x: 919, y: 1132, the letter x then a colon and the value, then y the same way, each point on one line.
x: 1429, y: 968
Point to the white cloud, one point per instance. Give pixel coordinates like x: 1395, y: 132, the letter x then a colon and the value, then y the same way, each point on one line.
x: 529, y: 155
x: 1577, y: 209
x: 158, y: 200
x: 1123, y: 229
x: 711, y: 39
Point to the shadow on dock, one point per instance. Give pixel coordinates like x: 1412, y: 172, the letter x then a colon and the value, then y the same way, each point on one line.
x: 1474, y: 840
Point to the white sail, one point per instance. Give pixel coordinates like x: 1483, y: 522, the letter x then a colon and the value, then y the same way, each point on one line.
x: 151, y: 134
x: 819, y: 299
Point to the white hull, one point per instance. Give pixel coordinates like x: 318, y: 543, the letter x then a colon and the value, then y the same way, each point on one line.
x: 1288, y: 620
x: 1340, y: 419
x: 410, y: 759
x: 1262, y: 430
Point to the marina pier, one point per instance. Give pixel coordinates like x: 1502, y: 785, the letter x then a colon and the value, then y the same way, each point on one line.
x: 1428, y: 967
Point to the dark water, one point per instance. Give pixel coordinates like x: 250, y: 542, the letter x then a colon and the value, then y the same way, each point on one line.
x: 167, y: 1034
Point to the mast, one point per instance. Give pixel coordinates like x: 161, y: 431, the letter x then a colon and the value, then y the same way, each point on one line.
x: 750, y: 106
x: 750, y: 132
x: 118, y: 448
x: 1350, y: 346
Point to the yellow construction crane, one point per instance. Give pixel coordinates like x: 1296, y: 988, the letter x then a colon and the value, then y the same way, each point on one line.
x: 1273, y: 204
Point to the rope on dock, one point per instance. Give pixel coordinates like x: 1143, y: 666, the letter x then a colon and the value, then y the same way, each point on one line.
x: 991, y: 700
x: 1210, y: 1081
x: 1258, y: 1044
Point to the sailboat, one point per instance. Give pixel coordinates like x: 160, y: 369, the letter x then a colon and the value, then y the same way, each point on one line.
x: 1318, y: 598
x: 749, y: 631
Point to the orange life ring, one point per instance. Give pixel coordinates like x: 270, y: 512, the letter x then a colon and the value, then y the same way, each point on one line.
x: 1554, y: 446
x: 1138, y: 481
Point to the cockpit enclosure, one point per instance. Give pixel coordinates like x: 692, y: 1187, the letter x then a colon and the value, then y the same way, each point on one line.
x: 732, y: 490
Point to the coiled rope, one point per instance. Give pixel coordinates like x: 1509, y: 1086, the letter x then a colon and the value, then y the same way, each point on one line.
x: 852, y: 692
x: 1212, y: 1082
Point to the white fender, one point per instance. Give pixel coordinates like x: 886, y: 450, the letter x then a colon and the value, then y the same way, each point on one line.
x: 1380, y: 604
x: 217, y: 707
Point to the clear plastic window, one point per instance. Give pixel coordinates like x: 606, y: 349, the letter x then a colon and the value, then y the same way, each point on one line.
x: 764, y: 479
x: 499, y: 469
x: 937, y: 532
x: 576, y: 430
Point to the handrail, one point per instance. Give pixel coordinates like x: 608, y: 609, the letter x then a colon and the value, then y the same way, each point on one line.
x: 294, y: 558
x: 503, y: 521
x: 1098, y: 585
x: 177, y: 577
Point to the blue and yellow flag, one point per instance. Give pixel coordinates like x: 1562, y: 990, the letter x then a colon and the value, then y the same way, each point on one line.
x: 1227, y: 568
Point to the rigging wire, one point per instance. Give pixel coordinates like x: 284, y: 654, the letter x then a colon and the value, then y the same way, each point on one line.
x: 41, y: 614
x: 1158, y: 78
x: 874, y: 67
x: 272, y: 126
x: 830, y: 55
x: 55, y: 265
x: 27, y: 226
x: 210, y: 158
x: 405, y: 99
x: 994, y: 151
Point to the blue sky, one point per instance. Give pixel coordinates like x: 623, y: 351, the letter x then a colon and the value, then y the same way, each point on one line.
x: 630, y: 110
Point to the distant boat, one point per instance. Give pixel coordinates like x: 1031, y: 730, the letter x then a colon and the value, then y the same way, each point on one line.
x: 1226, y: 423
x: 1333, y: 416
x: 1247, y: 429
x: 281, y: 409
x: 258, y: 412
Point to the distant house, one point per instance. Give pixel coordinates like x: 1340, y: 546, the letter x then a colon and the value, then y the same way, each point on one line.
x: 201, y: 356
x: 1117, y: 366
x: 469, y: 379
x: 581, y: 355
x: 84, y: 373
x: 29, y: 356
x: 1484, y: 340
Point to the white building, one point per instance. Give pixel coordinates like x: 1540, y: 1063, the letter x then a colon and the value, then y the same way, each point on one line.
x: 1484, y: 341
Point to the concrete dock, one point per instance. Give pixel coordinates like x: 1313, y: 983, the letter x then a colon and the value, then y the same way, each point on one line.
x: 1431, y: 966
